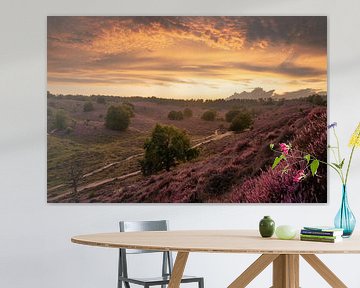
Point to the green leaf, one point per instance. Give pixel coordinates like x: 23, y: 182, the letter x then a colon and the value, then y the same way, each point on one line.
x: 277, y: 161
x: 307, y: 158
x: 314, y: 166
x: 339, y: 166
x: 271, y: 146
x: 342, y: 163
x: 336, y: 165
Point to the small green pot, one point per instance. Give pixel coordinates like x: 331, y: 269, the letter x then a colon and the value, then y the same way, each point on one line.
x: 267, y: 227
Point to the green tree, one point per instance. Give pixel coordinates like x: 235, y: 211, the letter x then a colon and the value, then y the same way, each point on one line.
x: 129, y: 108
x: 60, y: 120
x: 88, y: 106
x: 187, y: 113
x: 241, y: 122
x: 209, y: 115
x: 165, y: 148
x: 117, y: 118
x: 175, y: 115
x: 230, y: 115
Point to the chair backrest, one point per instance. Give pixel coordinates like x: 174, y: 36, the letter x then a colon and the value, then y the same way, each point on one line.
x: 138, y: 226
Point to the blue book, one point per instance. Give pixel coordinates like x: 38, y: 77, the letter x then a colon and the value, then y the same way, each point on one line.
x: 322, y: 231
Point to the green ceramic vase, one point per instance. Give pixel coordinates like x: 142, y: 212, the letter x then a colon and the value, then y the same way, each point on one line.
x: 267, y: 227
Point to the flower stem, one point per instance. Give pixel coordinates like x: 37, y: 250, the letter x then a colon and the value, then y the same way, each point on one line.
x: 338, y: 145
x: 339, y: 155
x: 348, y: 167
x: 337, y: 170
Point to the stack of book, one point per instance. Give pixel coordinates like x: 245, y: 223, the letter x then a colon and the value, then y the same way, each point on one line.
x: 321, y: 234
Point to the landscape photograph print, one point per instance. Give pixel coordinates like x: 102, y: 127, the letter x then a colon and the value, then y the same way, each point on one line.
x: 183, y: 109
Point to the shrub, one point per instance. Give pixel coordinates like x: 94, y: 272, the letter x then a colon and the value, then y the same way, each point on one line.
x: 129, y: 108
x: 60, y: 121
x: 280, y: 102
x: 187, y: 113
x: 241, y: 122
x: 101, y: 100
x: 209, y: 115
x: 50, y: 95
x: 166, y: 146
x: 130, y: 105
x: 317, y: 100
x: 117, y: 118
x: 88, y: 106
x: 230, y: 115
x: 175, y: 115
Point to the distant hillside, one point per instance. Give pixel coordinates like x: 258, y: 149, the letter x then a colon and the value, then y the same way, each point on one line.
x: 260, y: 93
x: 257, y: 93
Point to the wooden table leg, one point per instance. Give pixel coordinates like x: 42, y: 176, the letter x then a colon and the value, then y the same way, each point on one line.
x: 286, y: 271
x: 253, y: 270
x: 178, y: 269
x: 324, y: 271
x: 293, y: 261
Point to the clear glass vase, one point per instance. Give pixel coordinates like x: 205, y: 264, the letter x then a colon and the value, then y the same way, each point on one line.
x: 345, y: 219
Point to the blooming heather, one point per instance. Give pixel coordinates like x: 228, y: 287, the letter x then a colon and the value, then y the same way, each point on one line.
x: 275, y: 186
x: 284, y: 148
x: 300, y: 175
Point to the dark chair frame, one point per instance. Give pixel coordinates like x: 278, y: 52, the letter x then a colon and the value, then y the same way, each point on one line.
x: 167, y: 263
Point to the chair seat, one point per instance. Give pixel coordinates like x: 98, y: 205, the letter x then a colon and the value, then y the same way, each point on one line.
x: 158, y: 280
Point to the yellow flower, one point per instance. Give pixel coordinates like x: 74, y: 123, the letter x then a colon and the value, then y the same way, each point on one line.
x: 355, y: 138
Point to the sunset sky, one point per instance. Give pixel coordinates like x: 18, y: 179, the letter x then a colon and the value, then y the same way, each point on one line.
x: 186, y: 57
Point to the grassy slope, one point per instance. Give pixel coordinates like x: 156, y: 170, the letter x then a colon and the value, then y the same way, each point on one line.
x: 95, y: 146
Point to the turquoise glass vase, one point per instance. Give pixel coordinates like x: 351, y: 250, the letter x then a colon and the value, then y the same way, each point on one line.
x: 345, y: 219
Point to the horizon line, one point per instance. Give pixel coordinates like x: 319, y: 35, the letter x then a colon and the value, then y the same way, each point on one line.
x: 276, y: 97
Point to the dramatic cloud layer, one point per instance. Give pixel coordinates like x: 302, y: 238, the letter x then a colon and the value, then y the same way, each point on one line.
x: 185, y: 57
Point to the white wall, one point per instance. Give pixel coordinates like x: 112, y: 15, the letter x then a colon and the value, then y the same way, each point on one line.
x: 35, y: 248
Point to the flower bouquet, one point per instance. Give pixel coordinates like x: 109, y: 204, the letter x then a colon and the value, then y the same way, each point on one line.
x: 307, y: 165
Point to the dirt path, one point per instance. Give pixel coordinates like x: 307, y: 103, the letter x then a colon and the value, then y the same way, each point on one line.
x: 111, y: 164
x: 214, y: 137
x: 99, y: 170
x: 93, y: 185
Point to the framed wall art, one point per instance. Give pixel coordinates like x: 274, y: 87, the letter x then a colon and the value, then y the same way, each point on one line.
x: 186, y: 109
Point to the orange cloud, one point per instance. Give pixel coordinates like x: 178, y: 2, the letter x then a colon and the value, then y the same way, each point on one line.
x: 185, y: 54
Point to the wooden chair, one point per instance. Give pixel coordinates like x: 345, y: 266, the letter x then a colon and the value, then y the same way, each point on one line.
x: 167, y: 263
